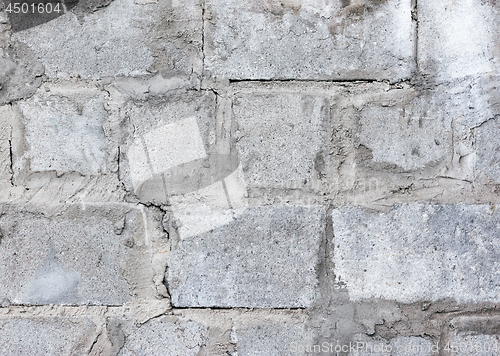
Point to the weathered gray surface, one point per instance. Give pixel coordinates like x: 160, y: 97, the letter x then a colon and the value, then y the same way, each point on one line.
x: 46, y: 336
x: 117, y: 40
x: 488, y: 149
x: 418, y: 252
x: 161, y: 336
x: 271, y: 339
x: 20, y: 72
x: 265, y: 258
x: 153, y: 188
x: 405, y: 129
x: 458, y: 39
x: 64, y: 130
x: 74, y: 258
x: 309, y: 39
x: 279, y: 136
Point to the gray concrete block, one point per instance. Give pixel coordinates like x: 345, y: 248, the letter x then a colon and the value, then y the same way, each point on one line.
x: 171, y: 145
x: 413, y: 133
x: 20, y: 72
x: 272, y: 339
x: 46, y: 336
x: 64, y: 130
x: 121, y: 39
x: 488, y: 149
x: 278, y: 137
x: 264, y: 258
x: 456, y: 40
x: 160, y: 336
x: 418, y: 252
x: 76, y: 257
x: 300, y: 39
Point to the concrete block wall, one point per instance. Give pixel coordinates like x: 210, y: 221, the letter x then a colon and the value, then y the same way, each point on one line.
x: 250, y: 178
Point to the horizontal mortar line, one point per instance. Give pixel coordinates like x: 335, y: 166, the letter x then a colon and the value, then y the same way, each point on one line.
x: 237, y: 308
x: 309, y: 80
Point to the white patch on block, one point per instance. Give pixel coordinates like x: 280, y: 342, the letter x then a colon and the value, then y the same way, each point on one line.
x: 202, y: 210
x: 139, y: 167
x: 174, y: 144
x: 236, y: 188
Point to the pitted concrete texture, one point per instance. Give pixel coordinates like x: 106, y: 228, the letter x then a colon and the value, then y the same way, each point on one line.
x: 161, y: 336
x: 261, y: 177
x: 46, y: 336
x: 467, y: 44
x: 418, y: 251
x: 269, y: 125
x: 116, y: 41
x: 266, y: 257
x: 64, y: 130
x: 74, y: 258
x: 309, y: 39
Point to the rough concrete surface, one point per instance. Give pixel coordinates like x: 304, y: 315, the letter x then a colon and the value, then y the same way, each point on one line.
x: 250, y: 178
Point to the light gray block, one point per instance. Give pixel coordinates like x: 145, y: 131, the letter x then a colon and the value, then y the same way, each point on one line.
x: 458, y: 39
x: 279, y: 137
x: 64, y: 130
x: 121, y: 39
x: 419, y: 252
x: 265, y: 258
x: 20, y: 72
x: 488, y: 149
x: 411, y: 135
x: 46, y: 336
x: 272, y: 339
x: 161, y: 336
x: 301, y: 39
x: 74, y: 258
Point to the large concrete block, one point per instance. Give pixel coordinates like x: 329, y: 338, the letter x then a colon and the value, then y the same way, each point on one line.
x: 46, y: 336
x: 182, y: 152
x: 458, y: 38
x: 76, y: 257
x: 121, y: 39
x: 159, y: 336
x: 419, y: 252
x: 412, y: 133
x: 279, y: 136
x: 64, y: 130
x: 304, y: 39
x: 264, y: 258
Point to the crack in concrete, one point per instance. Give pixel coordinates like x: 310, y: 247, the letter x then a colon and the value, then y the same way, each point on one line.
x: 11, y: 157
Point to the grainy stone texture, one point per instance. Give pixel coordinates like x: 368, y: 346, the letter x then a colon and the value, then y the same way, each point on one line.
x: 266, y: 258
x: 116, y: 41
x: 269, y: 125
x: 160, y: 336
x: 217, y: 178
x: 64, y: 129
x: 418, y: 251
x: 76, y: 258
x: 467, y: 44
x: 46, y: 336
x: 271, y: 339
x: 309, y: 39
x: 20, y: 72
